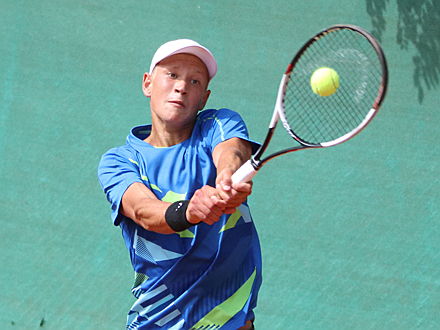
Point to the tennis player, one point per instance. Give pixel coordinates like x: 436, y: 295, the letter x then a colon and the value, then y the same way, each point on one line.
x: 188, y: 229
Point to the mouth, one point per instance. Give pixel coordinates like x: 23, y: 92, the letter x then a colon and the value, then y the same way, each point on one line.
x: 178, y: 103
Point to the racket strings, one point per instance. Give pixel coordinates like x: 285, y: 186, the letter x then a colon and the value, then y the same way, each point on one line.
x: 318, y: 119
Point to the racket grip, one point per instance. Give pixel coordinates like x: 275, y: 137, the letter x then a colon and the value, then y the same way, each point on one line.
x: 245, y: 173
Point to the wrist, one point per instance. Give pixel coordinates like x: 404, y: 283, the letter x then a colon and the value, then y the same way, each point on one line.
x: 175, y: 216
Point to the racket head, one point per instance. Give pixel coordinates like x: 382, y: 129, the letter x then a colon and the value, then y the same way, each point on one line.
x: 323, y: 121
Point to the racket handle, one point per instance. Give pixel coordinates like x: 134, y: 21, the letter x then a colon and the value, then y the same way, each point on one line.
x: 245, y: 173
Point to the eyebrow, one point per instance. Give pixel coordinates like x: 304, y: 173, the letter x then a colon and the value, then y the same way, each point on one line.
x: 174, y: 67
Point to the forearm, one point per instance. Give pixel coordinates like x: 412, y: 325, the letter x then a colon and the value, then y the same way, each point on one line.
x: 141, y: 205
x: 150, y: 215
x: 228, y: 156
x: 231, y: 154
x: 232, y: 160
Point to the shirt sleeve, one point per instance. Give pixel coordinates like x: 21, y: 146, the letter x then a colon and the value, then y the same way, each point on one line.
x: 228, y: 124
x: 117, y: 170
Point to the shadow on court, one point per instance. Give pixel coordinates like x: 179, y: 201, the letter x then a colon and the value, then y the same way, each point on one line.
x: 418, y: 26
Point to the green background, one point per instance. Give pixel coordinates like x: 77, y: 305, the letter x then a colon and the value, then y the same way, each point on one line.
x: 350, y: 235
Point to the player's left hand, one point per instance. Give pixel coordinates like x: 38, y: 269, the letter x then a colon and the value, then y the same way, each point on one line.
x: 234, y: 194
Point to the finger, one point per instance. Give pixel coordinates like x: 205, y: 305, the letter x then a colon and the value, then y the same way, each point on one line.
x: 209, y: 212
x: 245, y: 187
x: 226, y: 185
x: 218, y: 201
x: 224, y: 195
x: 230, y: 210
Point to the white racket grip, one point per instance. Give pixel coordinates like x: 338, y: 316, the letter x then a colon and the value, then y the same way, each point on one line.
x: 245, y: 173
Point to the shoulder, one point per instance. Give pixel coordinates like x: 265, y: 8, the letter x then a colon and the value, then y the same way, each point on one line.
x: 218, y: 118
x: 115, y: 153
x: 115, y: 160
x: 134, y: 142
x: 213, y: 114
x: 119, y: 157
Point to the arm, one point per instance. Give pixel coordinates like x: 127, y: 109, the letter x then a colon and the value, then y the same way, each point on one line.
x: 228, y: 156
x: 206, y: 205
x: 142, y: 206
x: 137, y: 202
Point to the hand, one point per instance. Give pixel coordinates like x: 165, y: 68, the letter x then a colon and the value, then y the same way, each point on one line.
x: 234, y: 194
x: 205, y: 206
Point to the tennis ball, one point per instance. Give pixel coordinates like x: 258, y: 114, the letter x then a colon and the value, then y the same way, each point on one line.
x: 324, y: 81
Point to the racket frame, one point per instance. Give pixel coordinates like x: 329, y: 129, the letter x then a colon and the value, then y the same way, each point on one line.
x: 248, y: 170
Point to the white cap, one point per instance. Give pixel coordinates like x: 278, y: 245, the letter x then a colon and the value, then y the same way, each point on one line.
x: 189, y: 47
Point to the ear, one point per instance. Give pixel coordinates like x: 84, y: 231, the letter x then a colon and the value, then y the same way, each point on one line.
x: 146, y: 84
x: 203, y: 100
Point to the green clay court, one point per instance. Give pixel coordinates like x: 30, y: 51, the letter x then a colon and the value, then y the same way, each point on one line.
x: 350, y: 235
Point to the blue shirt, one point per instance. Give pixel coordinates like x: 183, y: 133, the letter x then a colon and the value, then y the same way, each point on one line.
x: 206, y: 276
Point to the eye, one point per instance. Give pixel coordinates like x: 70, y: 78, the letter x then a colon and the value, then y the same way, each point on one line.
x: 195, y: 82
x: 172, y: 75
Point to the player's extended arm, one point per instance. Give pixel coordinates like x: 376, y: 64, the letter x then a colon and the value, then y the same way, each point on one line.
x: 228, y: 156
x: 143, y: 207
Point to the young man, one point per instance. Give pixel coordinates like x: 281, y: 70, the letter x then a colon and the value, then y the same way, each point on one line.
x: 188, y: 229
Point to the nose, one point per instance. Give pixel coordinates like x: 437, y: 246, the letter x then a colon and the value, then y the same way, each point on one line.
x: 180, y: 86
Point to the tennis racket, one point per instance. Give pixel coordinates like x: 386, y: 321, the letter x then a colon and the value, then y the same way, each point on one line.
x: 315, y: 121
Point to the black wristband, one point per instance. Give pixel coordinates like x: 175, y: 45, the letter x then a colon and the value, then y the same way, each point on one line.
x: 175, y: 216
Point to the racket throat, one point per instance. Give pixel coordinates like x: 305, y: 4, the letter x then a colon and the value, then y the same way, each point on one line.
x: 256, y: 164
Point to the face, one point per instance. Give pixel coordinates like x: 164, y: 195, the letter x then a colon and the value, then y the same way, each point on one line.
x: 177, y: 89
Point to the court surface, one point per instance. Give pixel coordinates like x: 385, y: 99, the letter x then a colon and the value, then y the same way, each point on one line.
x: 350, y: 235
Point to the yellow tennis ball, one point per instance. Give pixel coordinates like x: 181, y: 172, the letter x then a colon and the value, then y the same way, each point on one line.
x: 324, y: 81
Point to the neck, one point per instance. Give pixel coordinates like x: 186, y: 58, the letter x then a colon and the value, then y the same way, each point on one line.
x: 168, y: 137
